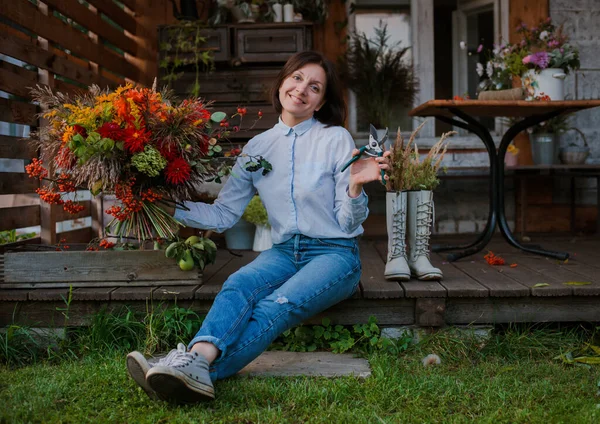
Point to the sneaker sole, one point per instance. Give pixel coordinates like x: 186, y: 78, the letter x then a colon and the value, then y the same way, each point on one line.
x: 397, y: 277
x: 174, y: 386
x: 138, y: 367
x: 428, y: 277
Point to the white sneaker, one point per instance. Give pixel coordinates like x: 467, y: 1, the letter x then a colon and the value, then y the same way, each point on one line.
x: 184, y: 380
x: 138, y: 366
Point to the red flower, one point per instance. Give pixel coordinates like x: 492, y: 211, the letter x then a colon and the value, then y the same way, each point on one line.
x: 135, y: 139
x: 178, y: 171
x: 167, y: 150
x: 78, y: 129
x: 111, y: 130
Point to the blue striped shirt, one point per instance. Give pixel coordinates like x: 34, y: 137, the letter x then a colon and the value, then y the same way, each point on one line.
x: 305, y: 193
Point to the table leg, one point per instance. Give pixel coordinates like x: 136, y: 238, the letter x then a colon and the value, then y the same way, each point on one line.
x: 504, y: 229
x: 472, y: 125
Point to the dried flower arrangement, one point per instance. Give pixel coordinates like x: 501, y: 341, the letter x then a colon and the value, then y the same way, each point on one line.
x: 409, y: 171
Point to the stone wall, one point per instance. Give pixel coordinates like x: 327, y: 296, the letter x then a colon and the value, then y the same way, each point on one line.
x: 581, y: 19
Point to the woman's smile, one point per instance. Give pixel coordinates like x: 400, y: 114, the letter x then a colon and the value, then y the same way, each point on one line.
x: 302, y: 93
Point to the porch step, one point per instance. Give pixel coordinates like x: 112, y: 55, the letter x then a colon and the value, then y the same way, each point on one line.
x: 311, y: 364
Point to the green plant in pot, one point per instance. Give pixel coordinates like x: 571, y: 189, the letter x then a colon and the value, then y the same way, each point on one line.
x: 380, y: 75
x: 544, y: 139
x: 409, y: 208
x: 256, y: 214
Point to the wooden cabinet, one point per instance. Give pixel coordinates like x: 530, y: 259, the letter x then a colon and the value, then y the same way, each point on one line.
x: 247, y: 58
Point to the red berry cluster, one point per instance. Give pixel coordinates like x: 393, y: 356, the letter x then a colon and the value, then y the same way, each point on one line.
x: 61, y: 245
x: 543, y: 97
x: 36, y: 170
x: 65, y: 183
x: 49, y: 195
x: 72, y: 207
x: 150, y: 196
x: 242, y: 110
x: 131, y: 205
x: 106, y: 244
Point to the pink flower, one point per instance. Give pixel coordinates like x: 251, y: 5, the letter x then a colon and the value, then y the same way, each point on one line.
x: 527, y: 59
x: 480, y: 48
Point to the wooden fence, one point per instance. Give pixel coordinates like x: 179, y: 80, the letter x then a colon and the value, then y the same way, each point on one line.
x: 67, y: 45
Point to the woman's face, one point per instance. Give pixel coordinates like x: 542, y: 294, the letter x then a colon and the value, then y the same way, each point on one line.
x: 302, y: 93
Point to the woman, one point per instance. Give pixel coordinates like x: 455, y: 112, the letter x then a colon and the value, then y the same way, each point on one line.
x: 315, y: 212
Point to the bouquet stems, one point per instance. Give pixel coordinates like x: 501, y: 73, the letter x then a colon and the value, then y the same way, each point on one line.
x: 148, y: 223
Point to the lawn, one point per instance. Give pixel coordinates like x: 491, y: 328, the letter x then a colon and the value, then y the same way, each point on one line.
x: 513, y: 377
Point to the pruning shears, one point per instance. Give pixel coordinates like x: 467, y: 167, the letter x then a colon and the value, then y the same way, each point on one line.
x: 374, y: 148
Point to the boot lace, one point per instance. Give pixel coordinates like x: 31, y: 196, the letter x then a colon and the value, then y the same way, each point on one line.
x: 398, y: 245
x: 424, y: 222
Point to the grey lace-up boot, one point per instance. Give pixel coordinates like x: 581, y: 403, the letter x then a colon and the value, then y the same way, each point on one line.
x: 138, y: 366
x: 419, y: 221
x: 184, y: 380
x: 396, y: 267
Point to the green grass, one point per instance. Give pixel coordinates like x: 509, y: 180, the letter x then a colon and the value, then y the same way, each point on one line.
x: 510, y: 378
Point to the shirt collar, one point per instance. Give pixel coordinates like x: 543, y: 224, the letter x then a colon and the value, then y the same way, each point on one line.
x: 299, y: 129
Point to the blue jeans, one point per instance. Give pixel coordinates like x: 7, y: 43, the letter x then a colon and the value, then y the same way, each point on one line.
x: 282, y: 287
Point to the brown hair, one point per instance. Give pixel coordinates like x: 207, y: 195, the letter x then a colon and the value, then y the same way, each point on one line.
x: 333, y: 111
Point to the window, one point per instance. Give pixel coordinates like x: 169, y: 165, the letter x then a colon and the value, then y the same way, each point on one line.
x: 367, y: 17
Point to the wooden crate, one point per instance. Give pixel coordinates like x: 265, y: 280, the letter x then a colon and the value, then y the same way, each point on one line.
x: 92, y: 269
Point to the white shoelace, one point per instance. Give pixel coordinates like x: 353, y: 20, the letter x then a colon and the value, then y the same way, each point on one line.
x: 182, y: 359
x: 172, y: 354
x: 398, y: 244
x: 424, y: 221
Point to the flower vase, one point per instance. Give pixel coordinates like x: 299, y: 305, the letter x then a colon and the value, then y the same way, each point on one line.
x: 548, y: 82
x: 262, y: 238
x: 510, y: 160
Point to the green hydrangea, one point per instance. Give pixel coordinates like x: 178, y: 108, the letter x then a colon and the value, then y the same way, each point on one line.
x: 150, y: 161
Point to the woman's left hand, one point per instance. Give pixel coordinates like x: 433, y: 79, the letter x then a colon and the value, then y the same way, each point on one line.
x: 366, y: 170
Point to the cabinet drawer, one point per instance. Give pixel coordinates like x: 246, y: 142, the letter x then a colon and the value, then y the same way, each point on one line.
x: 238, y: 87
x: 262, y: 45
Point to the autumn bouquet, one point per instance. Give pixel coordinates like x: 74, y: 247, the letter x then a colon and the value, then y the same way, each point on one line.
x: 133, y: 143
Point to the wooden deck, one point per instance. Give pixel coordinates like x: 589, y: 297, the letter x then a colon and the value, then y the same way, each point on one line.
x: 472, y: 292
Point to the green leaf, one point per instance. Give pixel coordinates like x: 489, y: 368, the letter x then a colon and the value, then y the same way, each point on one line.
x: 577, y: 283
x: 218, y: 116
x: 590, y: 360
x: 326, y: 322
x: 96, y: 188
x: 217, y: 148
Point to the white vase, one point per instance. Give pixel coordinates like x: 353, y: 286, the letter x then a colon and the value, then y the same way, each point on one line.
x: 262, y: 238
x: 549, y: 82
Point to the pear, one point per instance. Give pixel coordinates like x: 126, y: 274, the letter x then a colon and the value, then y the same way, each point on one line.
x: 187, y: 262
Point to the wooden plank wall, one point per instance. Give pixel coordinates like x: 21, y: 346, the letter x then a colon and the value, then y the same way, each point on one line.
x: 68, y: 46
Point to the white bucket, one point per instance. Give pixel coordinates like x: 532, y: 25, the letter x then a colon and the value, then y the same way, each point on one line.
x: 262, y: 238
x: 549, y: 82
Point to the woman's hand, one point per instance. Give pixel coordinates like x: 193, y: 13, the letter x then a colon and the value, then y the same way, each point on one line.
x: 366, y: 170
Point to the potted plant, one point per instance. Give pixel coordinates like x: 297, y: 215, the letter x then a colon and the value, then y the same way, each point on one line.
x: 256, y: 214
x: 549, y: 60
x: 544, y: 139
x: 380, y: 75
x: 409, y: 208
